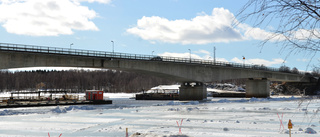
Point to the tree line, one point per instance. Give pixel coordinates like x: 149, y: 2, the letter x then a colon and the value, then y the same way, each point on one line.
x: 79, y: 80
x: 82, y: 80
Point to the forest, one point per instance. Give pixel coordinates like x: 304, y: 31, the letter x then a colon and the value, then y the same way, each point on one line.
x: 78, y: 80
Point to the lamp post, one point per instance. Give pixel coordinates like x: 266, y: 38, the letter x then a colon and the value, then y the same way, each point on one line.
x: 190, y: 54
x: 71, y: 45
x: 152, y: 53
x: 112, y: 46
x: 214, y: 55
x: 243, y: 60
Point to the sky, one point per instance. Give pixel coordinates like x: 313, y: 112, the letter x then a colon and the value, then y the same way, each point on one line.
x: 151, y: 27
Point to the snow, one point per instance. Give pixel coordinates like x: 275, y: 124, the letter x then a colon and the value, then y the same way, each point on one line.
x: 218, y: 117
x: 175, y: 87
x: 164, y: 89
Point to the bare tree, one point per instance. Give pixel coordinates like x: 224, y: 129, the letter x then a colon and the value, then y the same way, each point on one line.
x: 284, y: 69
x: 298, y: 22
x: 295, y: 70
x: 316, y: 71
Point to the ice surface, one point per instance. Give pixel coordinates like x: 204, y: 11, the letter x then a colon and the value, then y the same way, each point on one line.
x: 218, y: 117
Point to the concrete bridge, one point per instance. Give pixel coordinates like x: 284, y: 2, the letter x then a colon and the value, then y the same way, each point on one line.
x: 192, y: 73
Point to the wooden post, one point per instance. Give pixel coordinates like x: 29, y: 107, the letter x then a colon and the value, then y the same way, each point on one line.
x: 127, y: 132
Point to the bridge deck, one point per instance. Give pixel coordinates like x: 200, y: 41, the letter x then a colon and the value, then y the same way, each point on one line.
x: 116, y: 55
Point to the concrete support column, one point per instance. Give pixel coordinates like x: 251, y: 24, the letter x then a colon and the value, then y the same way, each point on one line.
x: 192, y: 91
x: 258, y: 88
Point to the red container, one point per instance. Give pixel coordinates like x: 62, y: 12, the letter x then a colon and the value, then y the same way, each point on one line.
x: 94, y: 95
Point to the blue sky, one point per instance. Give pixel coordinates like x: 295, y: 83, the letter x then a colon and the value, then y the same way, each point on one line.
x: 161, y: 27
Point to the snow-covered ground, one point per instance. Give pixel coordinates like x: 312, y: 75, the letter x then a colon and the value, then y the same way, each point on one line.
x: 216, y: 117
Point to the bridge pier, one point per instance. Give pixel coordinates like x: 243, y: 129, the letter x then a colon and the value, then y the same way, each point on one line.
x: 259, y: 88
x: 192, y: 91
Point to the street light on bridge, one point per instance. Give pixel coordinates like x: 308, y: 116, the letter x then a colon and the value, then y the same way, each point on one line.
x: 214, y: 55
x: 152, y: 53
x: 112, y: 46
x: 243, y: 60
x: 71, y: 45
x: 190, y: 54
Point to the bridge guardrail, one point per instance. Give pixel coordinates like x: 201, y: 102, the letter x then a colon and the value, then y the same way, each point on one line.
x: 103, y: 54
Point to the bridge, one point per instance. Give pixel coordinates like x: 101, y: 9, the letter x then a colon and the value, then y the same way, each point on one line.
x: 192, y: 73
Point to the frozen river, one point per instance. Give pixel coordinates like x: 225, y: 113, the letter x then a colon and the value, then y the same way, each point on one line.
x: 213, y: 118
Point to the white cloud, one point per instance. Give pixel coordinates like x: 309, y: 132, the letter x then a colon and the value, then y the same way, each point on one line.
x: 235, y: 59
x: 303, y: 60
x: 46, y: 17
x: 207, y: 56
x: 222, y: 59
x: 193, y: 56
x: 303, y: 34
x: 259, y: 34
x: 202, y: 29
x: 180, y: 55
x: 203, y: 52
x: 99, y: 1
x: 259, y: 61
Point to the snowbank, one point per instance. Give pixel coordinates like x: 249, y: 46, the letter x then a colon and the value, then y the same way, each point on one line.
x: 254, y: 100
x: 59, y: 109
x: 119, y: 95
x: 183, y: 103
x: 310, y: 131
x: 7, y: 112
x: 155, y: 135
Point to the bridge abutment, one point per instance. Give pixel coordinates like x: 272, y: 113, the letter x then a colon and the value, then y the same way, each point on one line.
x: 257, y: 88
x: 192, y: 91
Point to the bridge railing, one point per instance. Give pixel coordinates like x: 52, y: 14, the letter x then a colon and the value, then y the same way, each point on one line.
x: 117, y: 55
